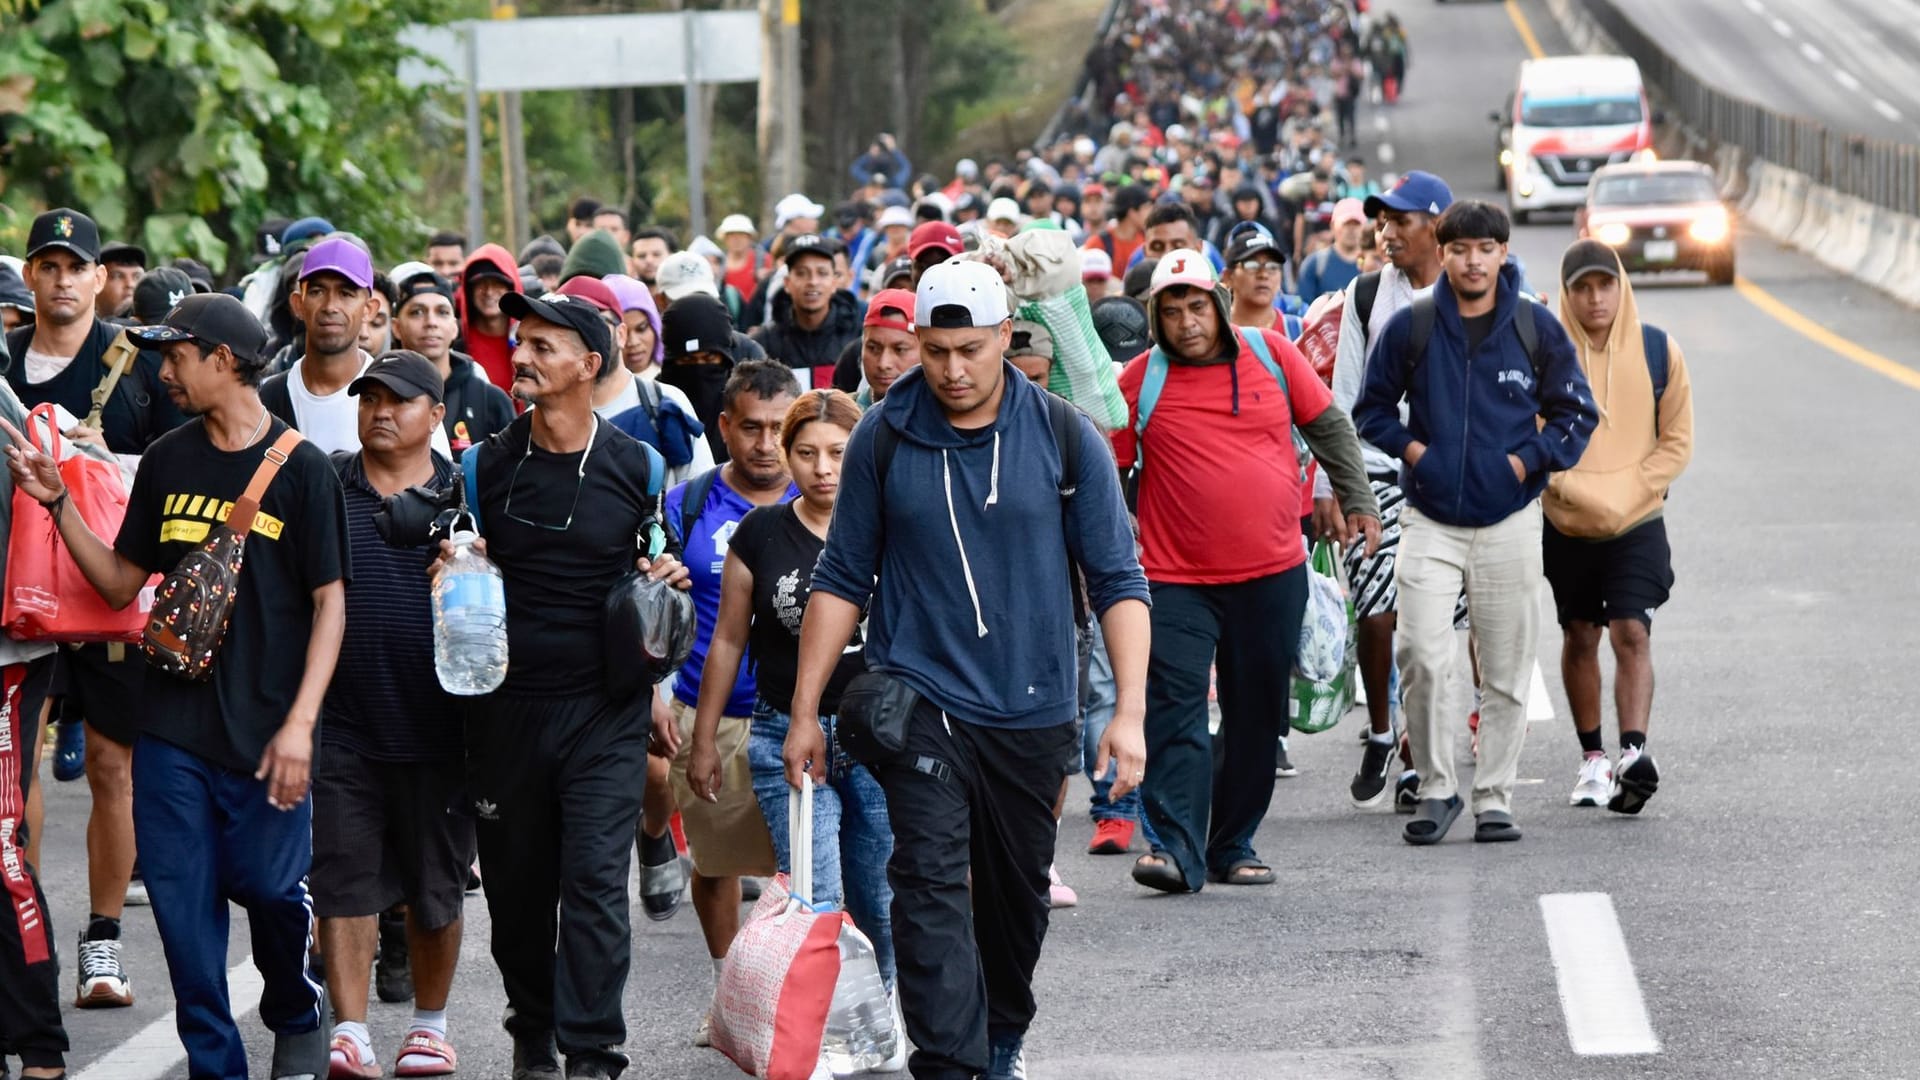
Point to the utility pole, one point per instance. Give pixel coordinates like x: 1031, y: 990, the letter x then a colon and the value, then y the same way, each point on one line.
x: 476, y: 198
x: 513, y: 153
x: 779, y: 134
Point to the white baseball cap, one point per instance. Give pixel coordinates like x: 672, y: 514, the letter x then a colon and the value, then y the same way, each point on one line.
x: 960, y: 293
x: 794, y: 206
x: 737, y: 223
x: 684, y: 273
x: 1095, y: 265
x: 896, y: 215
x: 1004, y: 209
x: 1182, y: 266
x: 406, y: 271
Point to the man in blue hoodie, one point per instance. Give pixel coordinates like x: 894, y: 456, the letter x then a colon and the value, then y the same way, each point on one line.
x: 961, y: 509
x: 1481, y: 367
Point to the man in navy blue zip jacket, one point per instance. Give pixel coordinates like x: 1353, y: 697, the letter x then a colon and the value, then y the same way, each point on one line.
x: 974, y: 539
x: 1488, y: 420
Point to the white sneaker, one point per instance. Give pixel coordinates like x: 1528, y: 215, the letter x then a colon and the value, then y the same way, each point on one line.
x: 703, y: 1035
x: 1059, y: 893
x: 103, y: 981
x: 1596, y: 782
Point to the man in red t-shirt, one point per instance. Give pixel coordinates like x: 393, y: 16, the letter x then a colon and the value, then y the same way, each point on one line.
x: 489, y: 274
x: 1219, y: 510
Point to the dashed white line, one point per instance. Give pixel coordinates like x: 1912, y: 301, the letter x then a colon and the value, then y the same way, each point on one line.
x: 1845, y: 78
x: 1880, y: 106
x: 1780, y: 27
x: 154, y: 1050
x: 1539, y: 702
x: 1812, y: 52
x: 1385, y: 153
x: 1380, y: 121
x: 1756, y: 7
x: 1599, y: 994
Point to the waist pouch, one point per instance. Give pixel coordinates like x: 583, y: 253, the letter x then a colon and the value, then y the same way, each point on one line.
x: 874, y: 711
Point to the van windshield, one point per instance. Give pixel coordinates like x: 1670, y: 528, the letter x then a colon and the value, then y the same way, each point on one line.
x: 1579, y: 112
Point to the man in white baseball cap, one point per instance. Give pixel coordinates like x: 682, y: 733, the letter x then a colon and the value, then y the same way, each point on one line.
x: 797, y: 214
x: 684, y: 273
x: 979, y: 634
x: 1004, y: 217
x: 744, y: 264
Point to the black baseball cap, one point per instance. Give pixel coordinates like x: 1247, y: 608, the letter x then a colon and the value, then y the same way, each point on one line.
x: 404, y: 372
x: 1251, y: 243
x: 65, y: 228
x: 572, y: 312
x: 809, y: 244
x: 158, y: 292
x: 212, y: 320
x: 421, y: 285
x: 196, y: 271
x: 119, y: 253
x: 1588, y: 257
x: 1121, y: 323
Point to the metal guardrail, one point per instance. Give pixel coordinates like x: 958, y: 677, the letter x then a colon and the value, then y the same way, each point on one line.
x: 1883, y: 172
x: 1052, y: 130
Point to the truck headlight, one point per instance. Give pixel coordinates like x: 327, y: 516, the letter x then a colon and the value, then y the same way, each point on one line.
x: 1613, y: 234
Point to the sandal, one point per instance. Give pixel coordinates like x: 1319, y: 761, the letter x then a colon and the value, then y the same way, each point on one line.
x: 662, y: 884
x: 343, y: 1061
x: 1431, y: 821
x: 1494, y: 827
x: 1247, y: 871
x: 1165, y: 876
x: 431, y: 1055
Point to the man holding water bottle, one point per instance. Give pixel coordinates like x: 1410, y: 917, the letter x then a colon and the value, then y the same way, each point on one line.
x: 555, y: 765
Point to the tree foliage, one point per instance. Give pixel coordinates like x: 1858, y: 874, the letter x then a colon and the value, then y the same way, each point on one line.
x: 185, y: 123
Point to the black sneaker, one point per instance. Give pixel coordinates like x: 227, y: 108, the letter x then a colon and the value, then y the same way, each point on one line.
x: 535, y: 1058
x: 600, y: 1065
x: 392, y: 965
x: 1369, y: 785
x: 1635, y: 779
x: 304, y: 1055
x: 1282, y: 765
x: 1406, y: 793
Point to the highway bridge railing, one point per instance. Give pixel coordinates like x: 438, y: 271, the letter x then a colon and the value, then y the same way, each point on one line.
x: 1883, y: 172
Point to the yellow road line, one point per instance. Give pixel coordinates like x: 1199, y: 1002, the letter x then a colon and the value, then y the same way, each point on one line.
x: 1525, y: 28
x: 1754, y: 294
x: 1826, y: 338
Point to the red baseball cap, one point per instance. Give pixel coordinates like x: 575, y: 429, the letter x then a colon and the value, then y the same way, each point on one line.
x: 900, y: 300
x: 593, y: 291
x: 934, y: 234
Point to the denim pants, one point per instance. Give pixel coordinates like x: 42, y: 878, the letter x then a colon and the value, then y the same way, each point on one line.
x: 1102, y: 697
x: 852, y: 840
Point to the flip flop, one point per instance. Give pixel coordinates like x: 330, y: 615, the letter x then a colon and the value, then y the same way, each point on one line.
x: 1494, y: 827
x: 425, y: 1054
x: 1166, y: 877
x: 1232, y: 874
x: 1431, y: 821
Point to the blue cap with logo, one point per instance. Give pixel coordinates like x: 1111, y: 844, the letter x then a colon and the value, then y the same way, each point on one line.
x: 1417, y: 193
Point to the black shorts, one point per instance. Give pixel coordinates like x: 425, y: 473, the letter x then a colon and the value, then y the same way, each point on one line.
x: 1598, y: 581
x: 88, y: 686
x: 388, y: 831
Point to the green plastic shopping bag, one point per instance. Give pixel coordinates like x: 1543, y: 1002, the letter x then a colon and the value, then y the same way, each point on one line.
x: 1317, y: 706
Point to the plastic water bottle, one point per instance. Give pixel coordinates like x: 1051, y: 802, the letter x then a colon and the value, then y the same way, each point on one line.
x: 469, y: 621
x: 860, y: 1034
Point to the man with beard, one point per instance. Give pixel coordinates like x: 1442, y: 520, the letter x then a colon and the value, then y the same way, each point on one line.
x: 650, y: 247
x: 812, y: 319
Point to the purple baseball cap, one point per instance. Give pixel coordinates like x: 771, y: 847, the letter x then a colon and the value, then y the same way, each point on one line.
x: 343, y: 257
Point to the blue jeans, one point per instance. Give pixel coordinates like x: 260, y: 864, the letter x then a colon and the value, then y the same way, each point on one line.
x: 851, y: 837
x: 228, y: 845
x: 1102, y: 697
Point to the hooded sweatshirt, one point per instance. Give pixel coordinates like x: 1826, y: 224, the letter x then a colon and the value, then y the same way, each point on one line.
x: 1471, y: 411
x: 1621, y: 481
x: 970, y: 543
x: 493, y: 354
x: 811, y: 353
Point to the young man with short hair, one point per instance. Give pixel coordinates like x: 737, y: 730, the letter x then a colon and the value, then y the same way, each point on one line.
x: 813, y: 319
x: 391, y: 762
x: 613, y: 221
x: 1605, y: 548
x: 1123, y: 239
x: 126, y: 264
x: 446, y: 251
x: 1172, y: 227
x: 222, y: 765
x: 650, y: 247
x: 424, y: 322
x: 1330, y: 268
x: 488, y: 275
x: 1496, y: 401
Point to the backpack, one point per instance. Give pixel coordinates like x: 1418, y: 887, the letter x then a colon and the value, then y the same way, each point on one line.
x: 1653, y: 341
x: 691, y: 503
x: 193, y: 605
x: 1156, y: 380
x: 1062, y: 417
x: 1424, y: 312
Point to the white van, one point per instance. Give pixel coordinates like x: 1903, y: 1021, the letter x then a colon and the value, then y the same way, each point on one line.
x: 1570, y: 116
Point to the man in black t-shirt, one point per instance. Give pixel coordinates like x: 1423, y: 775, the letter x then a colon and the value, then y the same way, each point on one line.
x: 556, y: 762
x: 221, y: 766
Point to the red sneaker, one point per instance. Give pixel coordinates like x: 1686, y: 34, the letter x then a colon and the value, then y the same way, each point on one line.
x: 1111, y: 836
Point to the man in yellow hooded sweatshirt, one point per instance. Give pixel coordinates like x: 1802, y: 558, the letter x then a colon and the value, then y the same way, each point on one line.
x: 1606, y: 553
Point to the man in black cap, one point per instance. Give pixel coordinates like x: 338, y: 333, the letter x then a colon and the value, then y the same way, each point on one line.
x: 196, y: 271
x: 125, y: 265
x: 390, y: 762
x: 221, y: 765
x: 61, y: 359
x: 812, y: 319
x: 554, y: 754
x: 423, y: 321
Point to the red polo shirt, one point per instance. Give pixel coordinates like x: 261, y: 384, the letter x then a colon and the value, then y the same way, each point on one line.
x: 1220, y: 495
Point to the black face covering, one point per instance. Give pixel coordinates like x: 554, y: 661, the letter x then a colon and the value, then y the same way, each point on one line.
x: 702, y: 383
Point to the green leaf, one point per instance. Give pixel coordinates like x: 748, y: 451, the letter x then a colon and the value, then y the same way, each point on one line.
x: 138, y: 42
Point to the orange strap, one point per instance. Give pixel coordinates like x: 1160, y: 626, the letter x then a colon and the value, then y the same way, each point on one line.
x: 247, y: 507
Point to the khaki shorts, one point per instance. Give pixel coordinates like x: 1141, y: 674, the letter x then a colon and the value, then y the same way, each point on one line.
x: 727, y: 838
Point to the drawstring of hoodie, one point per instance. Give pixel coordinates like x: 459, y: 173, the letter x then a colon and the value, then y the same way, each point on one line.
x: 993, y: 479
x: 953, y: 519
x: 1233, y: 367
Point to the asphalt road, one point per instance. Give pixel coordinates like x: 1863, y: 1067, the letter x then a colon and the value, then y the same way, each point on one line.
x: 1763, y: 896
x: 1852, y: 64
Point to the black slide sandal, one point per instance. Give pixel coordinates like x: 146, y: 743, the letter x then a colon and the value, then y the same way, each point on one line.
x: 1494, y: 827
x: 1233, y: 875
x: 1165, y: 877
x: 1431, y: 821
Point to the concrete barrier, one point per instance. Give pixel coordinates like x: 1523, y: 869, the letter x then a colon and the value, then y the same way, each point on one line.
x: 1847, y: 240
x: 1903, y: 280
x: 1887, y: 233
x: 1820, y: 206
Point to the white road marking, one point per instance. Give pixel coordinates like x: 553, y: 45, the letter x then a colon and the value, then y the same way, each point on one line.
x: 1880, y: 106
x: 1780, y: 27
x: 1756, y: 7
x: 1539, y: 702
x: 154, y: 1050
x: 1380, y: 121
x: 1385, y: 153
x: 1598, y: 991
x: 1845, y: 78
x: 1812, y: 52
